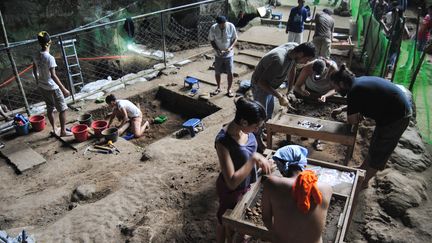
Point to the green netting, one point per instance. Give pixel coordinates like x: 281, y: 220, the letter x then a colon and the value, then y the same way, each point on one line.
x: 407, y: 62
x: 422, y: 90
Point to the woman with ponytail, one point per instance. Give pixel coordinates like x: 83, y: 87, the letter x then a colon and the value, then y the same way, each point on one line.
x: 236, y: 148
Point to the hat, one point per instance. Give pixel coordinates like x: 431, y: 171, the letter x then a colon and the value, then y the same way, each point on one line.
x: 318, y: 68
x: 327, y: 11
x: 43, y: 38
x: 221, y: 19
x: 290, y: 157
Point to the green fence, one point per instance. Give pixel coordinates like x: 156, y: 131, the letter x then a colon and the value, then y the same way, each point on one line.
x: 375, y: 56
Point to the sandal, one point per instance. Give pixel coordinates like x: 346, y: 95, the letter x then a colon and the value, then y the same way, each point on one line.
x: 318, y: 146
x: 230, y: 94
x: 216, y: 92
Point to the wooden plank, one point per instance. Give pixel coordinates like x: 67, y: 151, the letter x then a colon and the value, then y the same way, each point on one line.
x: 252, y: 53
x: 23, y: 157
x: 247, y: 60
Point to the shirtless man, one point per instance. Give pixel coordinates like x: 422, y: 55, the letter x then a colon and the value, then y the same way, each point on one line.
x: 287, y: 216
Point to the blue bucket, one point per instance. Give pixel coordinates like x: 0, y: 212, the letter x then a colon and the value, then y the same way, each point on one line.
x: 23, y: 130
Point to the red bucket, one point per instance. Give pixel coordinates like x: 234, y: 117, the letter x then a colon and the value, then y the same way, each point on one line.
x: 80, y: 132
x: 98, y: 127
x: 37, y: 122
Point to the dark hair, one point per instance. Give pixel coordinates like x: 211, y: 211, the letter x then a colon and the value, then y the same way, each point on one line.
x: 220, y: 19
x: 430, y: 7
x: 343, y: 75
x: 307, y: 48
x: 44, y: 39
x: 327, y: 11
x: 110, y: 98
x: 249, y: 110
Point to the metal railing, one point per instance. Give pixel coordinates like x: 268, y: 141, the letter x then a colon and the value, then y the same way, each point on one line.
x: 106, y: 49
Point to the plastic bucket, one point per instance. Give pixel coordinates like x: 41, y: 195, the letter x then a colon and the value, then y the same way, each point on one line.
x: 98, y: 127
x: 80, y: 132
x: 110, y: 134
x: 37, y: 122
x: 23, y: 129
x: 86, y: 119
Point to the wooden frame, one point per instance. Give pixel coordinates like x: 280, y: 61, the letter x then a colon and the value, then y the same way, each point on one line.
x: 234, y: 219
x: 349, y: 47
x: 332, y: 131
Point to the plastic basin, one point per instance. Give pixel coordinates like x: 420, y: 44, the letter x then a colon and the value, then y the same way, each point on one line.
x: 37, y: 122
x: 98, y: 127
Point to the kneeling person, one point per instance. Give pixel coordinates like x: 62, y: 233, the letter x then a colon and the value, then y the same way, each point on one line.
x: 294, y: 209
x: 128, y: 114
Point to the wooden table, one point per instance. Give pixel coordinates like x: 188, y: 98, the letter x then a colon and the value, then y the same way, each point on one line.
x: 236, y: 218
x: 331, y: 131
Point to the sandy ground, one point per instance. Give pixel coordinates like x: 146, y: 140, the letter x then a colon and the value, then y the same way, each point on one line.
x: 168, y: 198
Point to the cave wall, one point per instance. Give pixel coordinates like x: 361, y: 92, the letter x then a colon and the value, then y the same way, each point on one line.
x: 24, y: 18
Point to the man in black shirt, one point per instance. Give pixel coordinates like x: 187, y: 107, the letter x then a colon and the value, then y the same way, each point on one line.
x: 380, y: 100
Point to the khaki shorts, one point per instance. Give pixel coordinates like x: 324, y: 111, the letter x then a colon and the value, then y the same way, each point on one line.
x: 53, y: 98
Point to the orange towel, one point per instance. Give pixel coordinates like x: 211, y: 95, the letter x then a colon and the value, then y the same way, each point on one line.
x: 304, y: 188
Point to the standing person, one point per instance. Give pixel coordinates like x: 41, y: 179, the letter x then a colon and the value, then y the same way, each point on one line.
x: 324, y: 27
x: 236, y: 148
x: 294, y: 209
x: 272, y: 70
x: 424, y: 30
x: 380, y: 100
x: 49, y: 85
x: 223, y: 36
x: 128, y: 114
x: 295, y: 26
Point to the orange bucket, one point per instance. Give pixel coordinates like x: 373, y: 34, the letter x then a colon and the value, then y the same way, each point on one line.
x: 98, y: 127
x: 80, y: 132
x: 37, y: 122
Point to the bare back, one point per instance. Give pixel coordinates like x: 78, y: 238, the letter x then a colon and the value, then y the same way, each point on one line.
x: 289, y: 223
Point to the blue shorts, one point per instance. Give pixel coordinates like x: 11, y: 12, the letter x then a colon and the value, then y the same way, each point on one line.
x: 224, y: 65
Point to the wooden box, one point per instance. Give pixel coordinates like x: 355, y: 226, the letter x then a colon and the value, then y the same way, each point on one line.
x: 236, y: 218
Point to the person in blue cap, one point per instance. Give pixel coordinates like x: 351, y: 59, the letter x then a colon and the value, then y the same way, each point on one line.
x: 223, y: 37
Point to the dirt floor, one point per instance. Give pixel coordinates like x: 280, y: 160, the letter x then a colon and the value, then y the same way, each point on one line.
x: 167, y: 195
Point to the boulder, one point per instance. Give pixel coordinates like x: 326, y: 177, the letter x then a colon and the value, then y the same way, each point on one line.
x: 83, y: 192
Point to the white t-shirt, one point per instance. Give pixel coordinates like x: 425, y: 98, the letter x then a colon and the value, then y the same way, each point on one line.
x: 131, y: 109
x: 44, y: 61
x: 223, y: 38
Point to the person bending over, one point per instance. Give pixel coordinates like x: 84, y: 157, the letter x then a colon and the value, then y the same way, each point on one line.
x: 236, y: 148
x: 128, y: 114
x: 380, y: 100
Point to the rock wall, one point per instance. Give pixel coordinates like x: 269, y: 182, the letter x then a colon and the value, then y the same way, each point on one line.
x: 397, y: 207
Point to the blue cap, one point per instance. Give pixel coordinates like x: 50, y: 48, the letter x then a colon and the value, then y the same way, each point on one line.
x: 221, y: 19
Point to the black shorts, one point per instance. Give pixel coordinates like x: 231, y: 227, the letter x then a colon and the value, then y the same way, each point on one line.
x: 384, y: 141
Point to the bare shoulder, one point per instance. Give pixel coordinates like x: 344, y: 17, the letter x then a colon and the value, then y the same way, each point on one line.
x: 275, y: 182
x: 326, y: 192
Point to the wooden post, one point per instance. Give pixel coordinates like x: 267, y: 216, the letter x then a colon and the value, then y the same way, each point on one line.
x: 419, y: 10
x: 374, y: 51
x: 14, y: 68
x: 367, y: 34
x: 417, y: 71
x: 310, y: 27
x: 398, y: 51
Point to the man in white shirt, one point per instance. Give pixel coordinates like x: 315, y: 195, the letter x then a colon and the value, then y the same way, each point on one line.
x: 223, y: 37
x: 128, y: 114
x: 50, y: 87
